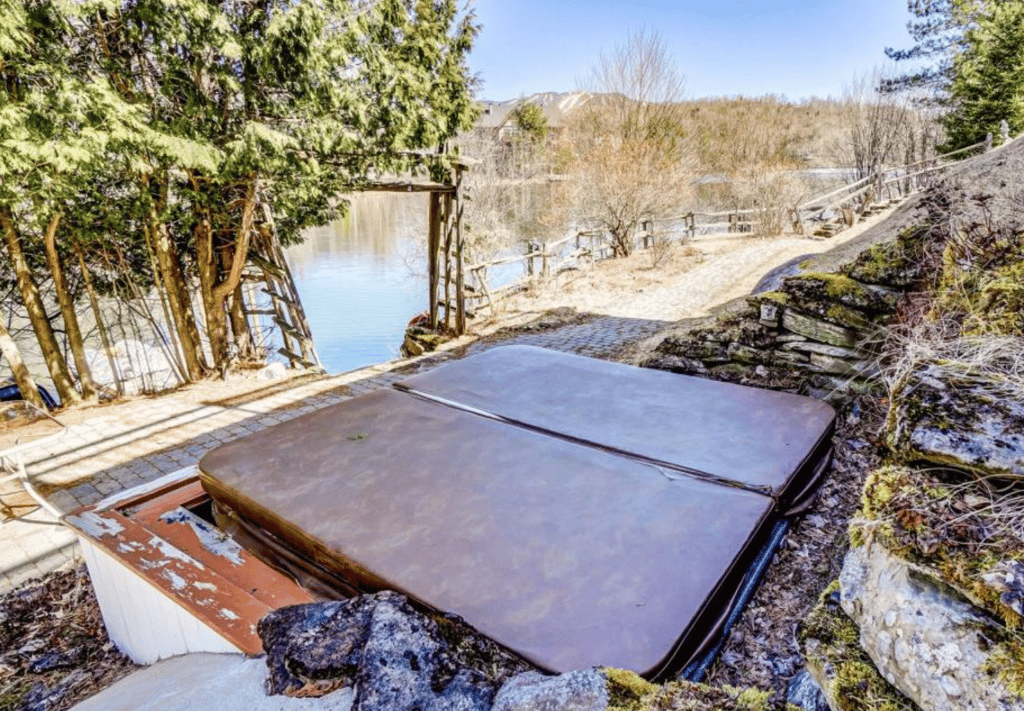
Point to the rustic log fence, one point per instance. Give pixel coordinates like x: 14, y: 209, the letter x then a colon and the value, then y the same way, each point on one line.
x: 830, y: 212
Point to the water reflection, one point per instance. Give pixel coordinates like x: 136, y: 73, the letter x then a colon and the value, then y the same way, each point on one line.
x: 362, y: 278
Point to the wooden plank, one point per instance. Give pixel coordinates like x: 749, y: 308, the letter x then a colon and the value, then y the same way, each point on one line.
x: 265, y: 264
x: 460, y: 278
x: 433, y: 245
x: 295, y: 358
x: 290, y: 330
x: 400, y: 187
x: 277, y: 297
x: 218, y: 604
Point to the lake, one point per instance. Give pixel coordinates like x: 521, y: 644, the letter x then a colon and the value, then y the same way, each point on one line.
x: 363, y: 278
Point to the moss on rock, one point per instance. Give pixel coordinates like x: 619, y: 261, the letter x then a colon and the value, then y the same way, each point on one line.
x: 838, y: 288
x: 896, y: 264
x: 628, y: 692
x: 945, y: 526
x: 844, y: 671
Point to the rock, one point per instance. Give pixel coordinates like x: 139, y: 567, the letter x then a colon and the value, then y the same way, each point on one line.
x: 841, y: 366
x: 932, y: 646
x: 675, y: 364
x: 836, y: 313
x: 411, y: 348
x: 770, y: 314
x: 819, y: 330
x: 1007, y: 579
x: 790, y: 357
x: 585, y: 690
x: 974, y: 422
x: 842, y: 670
x: 838, y: 289
x: 273, y: 371
x: 823, y: 349
x: 395, y: 658
x: 696, y: 347
x: 804, y: 693
x: 896, y: 264
x: 739, y: 353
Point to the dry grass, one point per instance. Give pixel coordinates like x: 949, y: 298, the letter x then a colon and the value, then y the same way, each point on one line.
x: 999, y: 360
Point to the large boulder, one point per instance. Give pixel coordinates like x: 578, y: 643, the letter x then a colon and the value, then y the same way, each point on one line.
x: 584, y: 690
x: 929, y: 643
x: 394, y: 657
x: 947, y: 414
x: 842, y: 672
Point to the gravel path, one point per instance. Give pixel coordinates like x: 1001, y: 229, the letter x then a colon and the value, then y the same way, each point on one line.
x: 695, y: 277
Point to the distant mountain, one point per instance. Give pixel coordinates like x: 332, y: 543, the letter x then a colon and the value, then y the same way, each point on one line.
x: 557, y: 108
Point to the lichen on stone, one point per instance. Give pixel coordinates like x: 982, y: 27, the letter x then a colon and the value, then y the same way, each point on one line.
x: 894, y: 264
x: 945, y: 525
x: 851, y: 682
x: 837, y: 288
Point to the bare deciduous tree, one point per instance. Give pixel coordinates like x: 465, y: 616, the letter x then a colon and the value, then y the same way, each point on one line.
x: 878, y: 127
x: 632, y: 157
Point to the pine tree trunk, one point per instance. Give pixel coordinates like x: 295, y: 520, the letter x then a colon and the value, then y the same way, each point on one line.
x: 97, y: 313
x: 216, y: 322
x: 216, y: 291
x: 239, y: 325
x: 181, y: 308
x: 22, y: 377
x: 55, y: 362
x: 67, y: 310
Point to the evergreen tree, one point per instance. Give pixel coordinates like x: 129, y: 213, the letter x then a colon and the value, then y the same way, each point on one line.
x: 148, y: 143
x: 988, y: 80
x: 938, y: 31
x: 530, y: 120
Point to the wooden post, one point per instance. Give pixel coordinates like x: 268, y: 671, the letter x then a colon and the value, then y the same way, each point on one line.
x: 433, y: 244
x: 448, y: 225
x: 460, y: 283
x: 798, y: 222
x: 988, y: 142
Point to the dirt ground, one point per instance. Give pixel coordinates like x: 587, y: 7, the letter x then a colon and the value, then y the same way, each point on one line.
x: 693, y: 278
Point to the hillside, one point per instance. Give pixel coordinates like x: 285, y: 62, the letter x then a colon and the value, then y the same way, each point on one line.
x: 810, y: 129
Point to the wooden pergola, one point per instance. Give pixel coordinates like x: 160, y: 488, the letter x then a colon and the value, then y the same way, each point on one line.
x: 445, y: 254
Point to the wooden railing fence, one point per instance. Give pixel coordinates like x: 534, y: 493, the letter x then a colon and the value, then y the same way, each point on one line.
x: 830, y: 213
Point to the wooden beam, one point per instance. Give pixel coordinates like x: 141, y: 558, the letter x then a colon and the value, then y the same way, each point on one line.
x: 433, y: 245
x: 295, y: 358
x: 400, y: 187
x: 277, y: 297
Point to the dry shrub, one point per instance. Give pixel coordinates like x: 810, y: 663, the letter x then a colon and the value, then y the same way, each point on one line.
x: 998, y: 358
x: 632, y: 157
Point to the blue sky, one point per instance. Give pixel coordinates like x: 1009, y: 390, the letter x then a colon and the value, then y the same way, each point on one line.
x: 798, y: 48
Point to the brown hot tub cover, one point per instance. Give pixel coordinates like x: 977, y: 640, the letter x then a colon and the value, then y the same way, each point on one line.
x: 767, y: 441
x: 569, y: 552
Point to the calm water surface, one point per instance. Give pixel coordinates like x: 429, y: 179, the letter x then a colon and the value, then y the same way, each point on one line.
x: 362, y: 279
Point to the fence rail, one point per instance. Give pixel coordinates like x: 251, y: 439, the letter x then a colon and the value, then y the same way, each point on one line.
x: 835, y: 209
